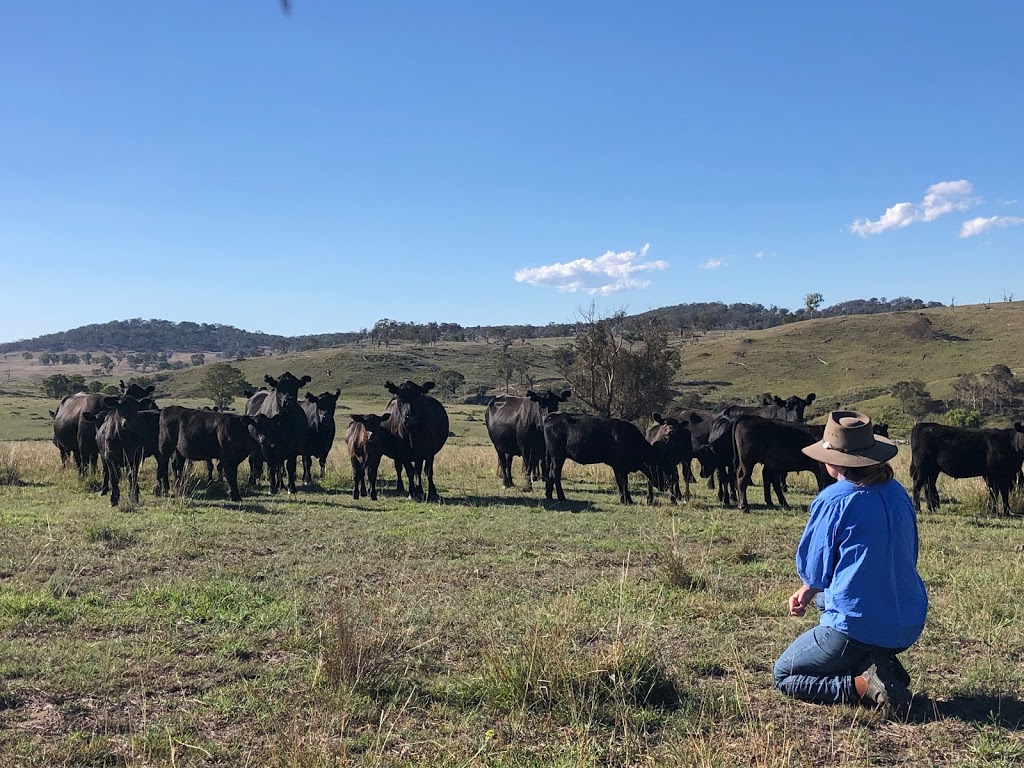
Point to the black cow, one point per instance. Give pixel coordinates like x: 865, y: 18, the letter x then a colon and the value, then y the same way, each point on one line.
x: 74, y: 435
x: 698, y: 422
x: 776, y: 444
x: 121, y: 437
x: 672, y: 439
x: 516, y: 428
x: 598, y: 440
x: 64, y: 452
x: 421, y: 425
x: 995, y: 454
x: 772, y: 407
x: 196, y: 435
x: 319, y: 410
x: 367, y: 441
x: 716, y: 458
x: 282, y: 399
x: 135, y: 391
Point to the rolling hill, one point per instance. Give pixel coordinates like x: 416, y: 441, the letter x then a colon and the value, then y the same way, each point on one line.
x: 852, y: 360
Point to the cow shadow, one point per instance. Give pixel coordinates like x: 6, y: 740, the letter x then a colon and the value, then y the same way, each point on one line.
x: 497, y: 500
x: 569, y: 505
x: 1005, y: 712
x: 252, y: 507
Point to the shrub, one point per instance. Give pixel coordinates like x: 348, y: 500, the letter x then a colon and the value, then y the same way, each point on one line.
x: 964, y: 417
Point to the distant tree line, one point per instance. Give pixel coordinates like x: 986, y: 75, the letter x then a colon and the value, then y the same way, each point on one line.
x: 227, y: 342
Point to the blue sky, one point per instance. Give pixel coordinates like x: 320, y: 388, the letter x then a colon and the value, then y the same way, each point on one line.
x: 500, y: 162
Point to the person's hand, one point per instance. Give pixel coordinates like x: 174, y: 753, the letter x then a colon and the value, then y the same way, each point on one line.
x: 800, y: 599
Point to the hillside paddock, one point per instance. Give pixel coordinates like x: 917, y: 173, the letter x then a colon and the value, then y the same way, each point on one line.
x: 490, y: 629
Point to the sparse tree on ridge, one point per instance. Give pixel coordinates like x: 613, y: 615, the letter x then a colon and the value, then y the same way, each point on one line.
x: 222, y: 383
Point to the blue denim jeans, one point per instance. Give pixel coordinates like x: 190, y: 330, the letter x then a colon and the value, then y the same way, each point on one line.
x: 819, y: 666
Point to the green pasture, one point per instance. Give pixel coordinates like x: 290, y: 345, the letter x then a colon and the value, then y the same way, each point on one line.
x: 490, y: 629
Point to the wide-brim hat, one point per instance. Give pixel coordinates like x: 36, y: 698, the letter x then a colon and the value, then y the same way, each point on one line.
x: 850, y: 441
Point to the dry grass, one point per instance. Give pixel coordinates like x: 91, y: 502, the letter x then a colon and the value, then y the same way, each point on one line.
x: 488, y: 629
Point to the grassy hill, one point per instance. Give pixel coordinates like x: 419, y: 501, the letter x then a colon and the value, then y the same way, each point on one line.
x: 851, y: 360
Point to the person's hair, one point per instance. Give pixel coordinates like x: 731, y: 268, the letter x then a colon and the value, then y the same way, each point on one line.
x: 876, y: 474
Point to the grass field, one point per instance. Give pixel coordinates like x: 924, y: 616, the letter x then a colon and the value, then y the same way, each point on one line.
x: 490, y: 629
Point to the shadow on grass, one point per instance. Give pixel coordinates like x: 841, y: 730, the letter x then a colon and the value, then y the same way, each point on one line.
x: 978, y: 709
x: 495, y: 500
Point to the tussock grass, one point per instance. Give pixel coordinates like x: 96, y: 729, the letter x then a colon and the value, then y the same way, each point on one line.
x: 10, y: 466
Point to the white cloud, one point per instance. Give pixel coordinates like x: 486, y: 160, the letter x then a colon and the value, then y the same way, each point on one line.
x: 608, y: 273
x: 977, y: 226
x: 713, y: 264
x: 940, y: 199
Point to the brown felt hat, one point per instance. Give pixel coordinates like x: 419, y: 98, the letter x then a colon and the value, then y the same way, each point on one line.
x: 849, y: 441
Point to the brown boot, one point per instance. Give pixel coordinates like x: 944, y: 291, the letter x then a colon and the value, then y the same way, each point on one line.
x: 882, y: 689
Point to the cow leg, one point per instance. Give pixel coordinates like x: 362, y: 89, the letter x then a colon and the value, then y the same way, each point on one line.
x: 1005, y: 487
x: 231, y: 475
x: 291, y: 464
x: 115, y: 487
x: 307, y: 469
x: 399, y: 487
x: 162, y: 460
x: 919, y: 482
x: 105, y: 486
x: 742, y: 483
x: 209, y: 471
x: 133, y: 478
x: 255, y: 470
x: 554, y: 482
x: 179, y: 468
x: 780, y: 486
x: 323, y: 466
x: 431, y: 488
x: 371, y: 470
x: 687, y: 476
x: 933, y: 492
x: 505, y: 466
x: 357, y: 476
x: 768, y: 480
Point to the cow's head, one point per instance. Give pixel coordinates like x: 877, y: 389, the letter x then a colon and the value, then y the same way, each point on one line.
x: 548, y: 400
x: 408, y: 391
x: 797, y: 404
x: 373, y: 424
x: 880, y: 429
x: 707, y: 460
x: 135, y: 391
x: 266, y: 431
x: 325, y: 402
x: 287, y: 387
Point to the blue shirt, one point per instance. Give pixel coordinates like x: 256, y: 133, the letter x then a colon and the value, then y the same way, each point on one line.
x: 860, y: 547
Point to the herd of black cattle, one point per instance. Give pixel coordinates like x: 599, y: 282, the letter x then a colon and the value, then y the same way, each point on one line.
x: 278, y: 427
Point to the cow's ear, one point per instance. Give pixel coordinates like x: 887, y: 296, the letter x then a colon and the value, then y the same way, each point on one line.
x: 779, y: 401
x: 566, y: 394
x: 810, y: 398
x: 311, y: 397
x: 657, y: 417
x: 121, y: 382
x: 531, y: 394
x: 151, y: 389
x: 358, y: 418
x: 695, y: 418
x: 53, y: 414
x: 247, y: 421
x: 90, y: 417
x: 148, y: 404
x: 1017, y: 425
x: 390, y: 387
x: 270, y: 380
x: 769, y: 399
x: 111, y: 402
x: 385, y: 417
x: 427, y: 386
x: 337, y: 394
x: 304, y: 380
